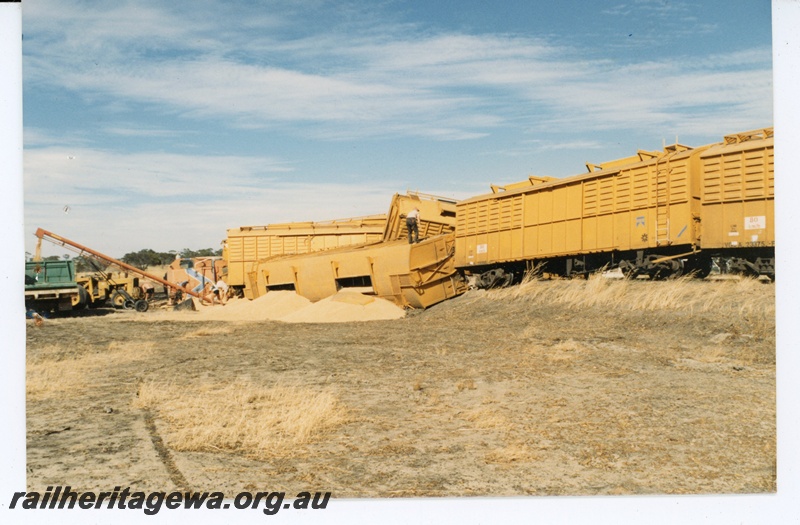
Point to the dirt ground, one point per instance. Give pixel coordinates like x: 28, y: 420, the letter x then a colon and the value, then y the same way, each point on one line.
x: 486, y: 394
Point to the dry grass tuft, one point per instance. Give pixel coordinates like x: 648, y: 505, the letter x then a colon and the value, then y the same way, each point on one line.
x: 205, y: 332
x: 745, y: 297
x: 488, y: 417
x: 711, y: 354
x: 241, y: 417
x: 511, y: 453
x: 466, y: 384
x: 565, y: 350
x: 53, y: 373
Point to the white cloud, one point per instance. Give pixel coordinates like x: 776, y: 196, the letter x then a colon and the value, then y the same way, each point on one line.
x: 115, y: 202
x: 103, y: 175
x: 384, y: 83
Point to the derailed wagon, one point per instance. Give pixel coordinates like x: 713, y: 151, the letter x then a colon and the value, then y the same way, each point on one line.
x: 245, y: 246
x: 411, y: 275
x: 657, y: 213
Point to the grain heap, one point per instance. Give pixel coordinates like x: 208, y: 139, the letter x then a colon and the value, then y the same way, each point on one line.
x: 269, y: 307
x: 345, y: 307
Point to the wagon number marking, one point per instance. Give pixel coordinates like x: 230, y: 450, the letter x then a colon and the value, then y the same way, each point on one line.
x: 756, y: 222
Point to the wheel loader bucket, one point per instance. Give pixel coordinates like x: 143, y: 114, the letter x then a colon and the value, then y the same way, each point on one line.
x: 187, y: 304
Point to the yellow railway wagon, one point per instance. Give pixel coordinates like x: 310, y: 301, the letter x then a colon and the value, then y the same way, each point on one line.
x: 738, y: 187
x: 653, y: 213
x: 246, y: 245
x: 415, y: 275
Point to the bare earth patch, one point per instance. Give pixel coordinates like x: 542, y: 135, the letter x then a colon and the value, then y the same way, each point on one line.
x: 549, y: 388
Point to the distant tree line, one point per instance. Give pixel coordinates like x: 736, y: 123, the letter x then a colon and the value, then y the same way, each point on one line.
x: 141, y: 259
x: 147, y: 257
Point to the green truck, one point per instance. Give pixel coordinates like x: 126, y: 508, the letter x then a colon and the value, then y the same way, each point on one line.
x: 50, y: 286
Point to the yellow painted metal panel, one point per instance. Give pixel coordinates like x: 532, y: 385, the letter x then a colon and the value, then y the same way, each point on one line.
x: 590, y: 233
x: 623, y: 190
x: 590, y: 198
x: 493, y: 246
x: 641, y: 195
x: 482, y: 248
x: 711, y: 227
x: 644, y: 228
x: 605, y: 232
x: 545, y: 207
x: 681, y: 225
x: 545, y: 246
x: 574, y: 203
x: 530, y: 240
x: 573, y: 235
x: 622, y: 228
x: 463, y: 246
x: 504, y: 252
x: 559, y: 242
x: 517, y: 245
x: 605, y: 197
x: 559, y: 197
x: 531, y: 209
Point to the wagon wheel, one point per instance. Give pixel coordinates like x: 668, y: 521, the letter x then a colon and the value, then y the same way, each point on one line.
x: 129, y: 304
x: 628, y: 269
x: 141, y: 305
x: 677, y: 269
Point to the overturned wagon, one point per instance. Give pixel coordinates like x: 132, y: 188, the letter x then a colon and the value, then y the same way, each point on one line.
x: 247, y: 245
x: 411, y: 275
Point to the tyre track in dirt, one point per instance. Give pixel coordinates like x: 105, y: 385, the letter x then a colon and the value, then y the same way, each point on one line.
x: 175, y: 475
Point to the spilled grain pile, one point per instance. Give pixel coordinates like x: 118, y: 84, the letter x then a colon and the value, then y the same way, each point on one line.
x: 343, y: 307
x: 269, y: 307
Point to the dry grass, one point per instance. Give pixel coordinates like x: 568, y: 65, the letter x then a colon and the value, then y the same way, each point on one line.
x: 488, y: 418
x: 511, y: 453
x: 518, y: 397
x: 241, y: 417
x: 746, y: 297
x: 50, y: 373
x: 206, y: 332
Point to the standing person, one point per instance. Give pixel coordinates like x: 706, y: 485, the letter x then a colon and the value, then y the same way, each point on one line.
x: 412, y: 224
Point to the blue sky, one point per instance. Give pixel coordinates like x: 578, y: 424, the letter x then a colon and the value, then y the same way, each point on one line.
x: 162, y: 124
